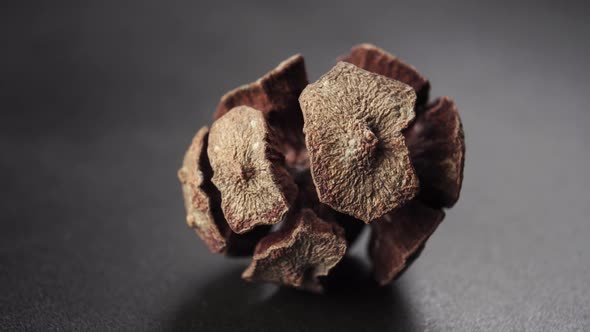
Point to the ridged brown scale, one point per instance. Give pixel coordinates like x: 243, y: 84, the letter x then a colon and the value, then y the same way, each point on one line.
x: 378, y: 61
x: 275, y: 95
x: 248, y: 171
x: 202, y: 203
x: 298, y: 254
x: 198, y: 207
x: 399, y: 237
x: 437, y: 148
x: 353, y: 122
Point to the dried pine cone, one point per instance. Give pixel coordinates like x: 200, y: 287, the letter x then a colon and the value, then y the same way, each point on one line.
x: 362, y: 145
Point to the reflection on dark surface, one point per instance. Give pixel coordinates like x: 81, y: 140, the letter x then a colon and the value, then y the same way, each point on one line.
x: 352, y: 302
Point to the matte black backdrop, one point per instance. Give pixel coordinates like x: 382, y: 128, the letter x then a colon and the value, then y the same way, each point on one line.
x: 100, y: 99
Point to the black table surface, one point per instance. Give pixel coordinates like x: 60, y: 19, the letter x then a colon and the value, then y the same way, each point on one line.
x: 100, y: 99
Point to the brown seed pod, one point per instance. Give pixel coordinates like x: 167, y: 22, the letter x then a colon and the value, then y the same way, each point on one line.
x: 399, y: 237
x: 353, y: 122
x: 248, y: 171
x: 437, y: 149
x: 202, y: 204
x: 376, y: 60
x: 299, y: 253
x: 361, y: 145
x: 275, y: 95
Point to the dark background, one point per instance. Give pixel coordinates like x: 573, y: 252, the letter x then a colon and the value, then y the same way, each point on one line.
x: 100, y: 99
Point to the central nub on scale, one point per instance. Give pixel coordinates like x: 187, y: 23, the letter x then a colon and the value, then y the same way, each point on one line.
x: 362, y: 147
x: 246, y: 172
